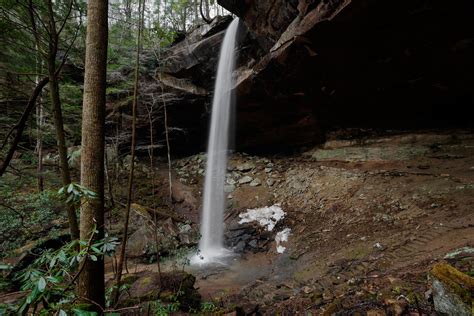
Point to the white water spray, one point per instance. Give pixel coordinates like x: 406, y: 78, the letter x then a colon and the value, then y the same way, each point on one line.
x: 211, y: 245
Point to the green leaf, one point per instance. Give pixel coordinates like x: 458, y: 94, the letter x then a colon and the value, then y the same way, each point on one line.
x: 80, y: 312
x: 4, y: 266
x: 53, y: 279
x: 41, y: 284
x: 93, y: 257
x: 62, y: 313
x: 52, y: 263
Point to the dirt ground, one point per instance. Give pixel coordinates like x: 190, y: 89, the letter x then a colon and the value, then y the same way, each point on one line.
x: 368, y: 219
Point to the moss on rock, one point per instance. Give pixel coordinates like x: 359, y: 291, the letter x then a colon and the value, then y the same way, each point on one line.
x: 459, y: 283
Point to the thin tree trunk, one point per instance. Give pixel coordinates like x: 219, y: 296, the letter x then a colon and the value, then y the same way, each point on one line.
x: 62, y: 148
x: 109, y: 181
x: 153, y: 187
x: 20, y: 127
x: 39, y: 145
x: 39, y: 127
x: 53, y: 74
x: 158, y: 17
x: 205, y: 17
x: 183, y: 18
x: 196, y: 12
x: 91, y: 281
x: 208, y: 11
x: 123, y: 248
x: 170, y: 183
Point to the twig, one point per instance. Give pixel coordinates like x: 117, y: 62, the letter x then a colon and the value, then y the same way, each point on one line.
x: 116, y: 292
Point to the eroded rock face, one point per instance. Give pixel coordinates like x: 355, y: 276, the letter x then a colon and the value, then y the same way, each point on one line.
x: 306, y: 66
x: 180, y: 78
x: 324, y: 64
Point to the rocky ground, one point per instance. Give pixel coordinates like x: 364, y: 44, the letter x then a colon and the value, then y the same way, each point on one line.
x: 366, y: 218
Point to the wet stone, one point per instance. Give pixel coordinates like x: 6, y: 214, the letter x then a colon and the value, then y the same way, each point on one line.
x: 256, y: 182
x: 245, y: 167
x: 229, y: 188
x: 246, y: 179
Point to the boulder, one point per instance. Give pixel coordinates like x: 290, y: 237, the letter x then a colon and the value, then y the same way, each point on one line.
x: 453, y: 291
x: 141, y: 244
x: 151, y: 286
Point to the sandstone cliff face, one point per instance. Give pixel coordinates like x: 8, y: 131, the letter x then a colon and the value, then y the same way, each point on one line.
x: 382, y: 64
x: 306, y: 66
x: 181, y: 78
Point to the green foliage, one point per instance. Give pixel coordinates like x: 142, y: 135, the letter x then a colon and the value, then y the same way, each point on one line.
x: 209, y: 307
x: 164, y: 309
x: 4, y: 283
x: 74, y: 192
x: 50, y: 279
x: 30, y: 215
x: 71, y: 98
x: 26, y: 216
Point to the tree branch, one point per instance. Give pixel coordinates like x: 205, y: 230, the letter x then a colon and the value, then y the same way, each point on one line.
x: 21, y: 124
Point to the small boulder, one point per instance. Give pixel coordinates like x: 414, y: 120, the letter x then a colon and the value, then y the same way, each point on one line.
x: 141, y: 243
x: 452, y: 290
x: 170, y: 228
x: 255, y: 182
x: 245, y: 179
x: 151, y: 286
x: 270, y: 182
x: 229, y: 188
x: 247, y: 166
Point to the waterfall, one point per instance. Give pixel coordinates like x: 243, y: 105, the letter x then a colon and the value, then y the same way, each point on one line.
x: 211, y: 245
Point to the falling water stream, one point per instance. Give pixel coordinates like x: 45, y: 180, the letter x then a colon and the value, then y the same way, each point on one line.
x: 211, y: 245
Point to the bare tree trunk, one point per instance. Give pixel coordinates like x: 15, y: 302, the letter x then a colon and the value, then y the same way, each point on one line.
x: 184, y: 13
x: 123, y: 248
x: 158, y: 17
x: 128, y: 10
x: 109, y: 181
x: 205, y: 17
x: 62, y: 148
x: 20, y: 127
x: 196, y: 12
x: 39, y: 127
x: 91, y: 280
x: 53, y: 74
x: 208, y: 11
x: 170, y: 183
x: 39, y: 145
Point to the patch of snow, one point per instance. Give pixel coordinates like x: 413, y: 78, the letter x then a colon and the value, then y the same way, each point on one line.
x: 282, y: 237
x: 266, y: 216
x: 281, y: 249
